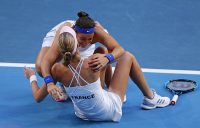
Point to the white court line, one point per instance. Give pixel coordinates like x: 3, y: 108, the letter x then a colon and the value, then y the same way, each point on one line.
x: 17, y: 65
x: 170, y: 71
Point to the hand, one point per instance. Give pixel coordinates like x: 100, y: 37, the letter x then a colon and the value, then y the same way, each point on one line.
x: 54, y: 91
x: 28, y: 72
x: 97, y: 62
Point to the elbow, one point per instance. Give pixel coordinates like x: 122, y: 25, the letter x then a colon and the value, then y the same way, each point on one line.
x: 122, y: 51
x: 38, y: 100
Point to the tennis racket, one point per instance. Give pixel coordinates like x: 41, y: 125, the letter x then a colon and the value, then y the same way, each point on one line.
x: 180, y: 86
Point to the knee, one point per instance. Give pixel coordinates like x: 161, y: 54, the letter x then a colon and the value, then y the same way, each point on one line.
x: 101, y: 50
x: 128, y: 56
x: 55, y: 68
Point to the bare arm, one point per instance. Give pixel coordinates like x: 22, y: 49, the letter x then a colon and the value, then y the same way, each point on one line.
x: 99, y: 61
x: 109, y: 42
x: 38, y: 93
x: 49, y: 59
x: 52, y: 55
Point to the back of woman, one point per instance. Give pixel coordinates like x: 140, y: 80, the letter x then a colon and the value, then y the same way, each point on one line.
x: 85, y: 72
x: 83, y: 86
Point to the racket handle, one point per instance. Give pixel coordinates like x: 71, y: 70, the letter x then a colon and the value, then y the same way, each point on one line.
x: 174, y: 99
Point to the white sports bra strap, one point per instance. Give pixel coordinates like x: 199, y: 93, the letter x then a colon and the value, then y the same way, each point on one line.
x: 76, y: 73
x: 71, y: 68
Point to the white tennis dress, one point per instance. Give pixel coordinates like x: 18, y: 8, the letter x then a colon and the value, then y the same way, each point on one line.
x: 91, y: 102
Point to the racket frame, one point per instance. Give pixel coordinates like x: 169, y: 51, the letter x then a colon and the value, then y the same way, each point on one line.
x: 177, y: 93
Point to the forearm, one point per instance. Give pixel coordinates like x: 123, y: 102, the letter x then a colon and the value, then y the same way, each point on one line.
x: 117, y: 52
x: 109, y: 42
x: 52, y: 55
x: 46, y: 68
x: 38, y: 93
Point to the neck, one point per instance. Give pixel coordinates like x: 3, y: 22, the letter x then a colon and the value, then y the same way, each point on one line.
x: 76, y: 59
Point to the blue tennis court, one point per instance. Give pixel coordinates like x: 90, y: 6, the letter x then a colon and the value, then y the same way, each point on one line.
x: 163, y: 35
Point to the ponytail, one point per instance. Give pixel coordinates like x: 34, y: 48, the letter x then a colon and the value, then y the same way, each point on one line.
x: 66, y: 46
x: 67, y: 58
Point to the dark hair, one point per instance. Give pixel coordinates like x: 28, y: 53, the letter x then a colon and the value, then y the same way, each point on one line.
x: 84, y: 21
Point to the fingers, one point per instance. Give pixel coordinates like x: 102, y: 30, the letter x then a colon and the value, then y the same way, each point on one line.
x: 94, y: 57
x: 28, y: 72
x: 94, y: 60
x: 97, y: 68
x: 27, y: 68
x: 56, y: 93
x: 97, y: 62
x: 94, y: 63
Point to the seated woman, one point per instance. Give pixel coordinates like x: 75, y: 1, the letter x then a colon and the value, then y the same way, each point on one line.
x: 83, y: 85
x: 88, y: 33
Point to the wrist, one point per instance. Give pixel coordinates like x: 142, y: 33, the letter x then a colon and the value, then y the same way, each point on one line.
x: 110, y: 58
x: 50, y: 84
x: 33, y: 78
x: 48, y: 80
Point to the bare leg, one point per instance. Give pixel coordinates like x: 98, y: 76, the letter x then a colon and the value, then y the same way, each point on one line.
x: 120, y: 77
x: 127, y: 65
x: 137, y: 76
x: 106, y: 73
x: 41, y: 54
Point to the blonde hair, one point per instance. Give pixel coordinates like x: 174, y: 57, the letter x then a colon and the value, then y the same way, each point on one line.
x: 66, y: 44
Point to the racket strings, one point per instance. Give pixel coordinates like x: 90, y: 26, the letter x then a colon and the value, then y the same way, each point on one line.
x: 181, y: 86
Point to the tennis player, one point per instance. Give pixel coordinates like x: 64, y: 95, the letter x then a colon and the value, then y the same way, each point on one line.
x: 88, y: 33
x: 83, y: 85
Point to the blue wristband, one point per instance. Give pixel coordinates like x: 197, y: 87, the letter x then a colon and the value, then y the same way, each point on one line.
x: 110, y: 57
x: 48, y: 79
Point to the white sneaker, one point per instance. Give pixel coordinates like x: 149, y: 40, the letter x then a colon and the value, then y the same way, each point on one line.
x: 156, y: 101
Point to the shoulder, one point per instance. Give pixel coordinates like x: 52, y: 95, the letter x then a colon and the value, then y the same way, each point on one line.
x: 98, y: 27
x: 58, y: 70
x: 88, y: 72
x: 100, y: 30
x: 97, y: 24
x: 101, y: 34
